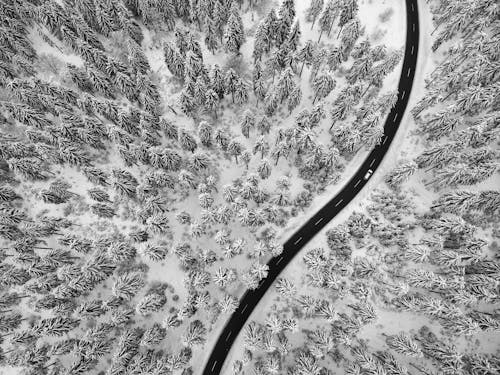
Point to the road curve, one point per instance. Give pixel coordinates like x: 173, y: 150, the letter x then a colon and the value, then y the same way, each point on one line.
x: 291, y: 247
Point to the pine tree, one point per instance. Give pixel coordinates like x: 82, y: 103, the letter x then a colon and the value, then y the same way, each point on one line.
x: 174, y: 60
x: 195, y: 334
x: 100, y: 82
x: 230, y: 83
x: 234, y: 34
x: 187, y: 102
x: 137, y: 60
x: 217, y: 81
x: 156, y: 253
x: 7, y: 194
x: 286, y: 288
x: 282, y: 149
x: 306, y: 54
x: 271, y: 101
x: 10, y: 322
x: 186, y: 179
x: 193, y: 65
x: 235, y: 148
x: 313, y: 11
x: 80, y: 78
x: 200, y: 90
x: 323, y: 85
x: 121, y: 252
x: 261, y: 145
x: 56, y: 326
x: 403, y: 344
x: 286, y: 15
x: 247, y: 122
x: 294, y: 98
x: 285, y: 84
x: 153, y: 336
x: 348, y: 12
x: 124, y: 183
x: 401, y: 173
x: 264, y: 169
x: 211, y: 35
x: 128, y: 284
x: 264, y: 36
x: 150, y: 303
x: 328, y: 17
x: 27, y: 167
x: 294, y: 38
x: 241, y: 92
x: 205, y: 132
x: 350, y: 34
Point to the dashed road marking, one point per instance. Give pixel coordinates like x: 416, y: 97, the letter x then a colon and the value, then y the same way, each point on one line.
x: 339, y: 202
x: 385, y: 139
x: 319, y: 221
x: 279, y: 260
x: 373, y: 161
x: 228, y: 335
x: 357, y: 183
x: 213, y: 366
x: 412, y: 49
x: 409, y: 71
x: 296, y: 242
x: 244, y: 308
x: 412, y: 7
x: 395, y: 117
x: 413, y: 27
x: 403, y: 94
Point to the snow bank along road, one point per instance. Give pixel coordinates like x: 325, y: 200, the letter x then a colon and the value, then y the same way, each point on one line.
x: 252, y: 297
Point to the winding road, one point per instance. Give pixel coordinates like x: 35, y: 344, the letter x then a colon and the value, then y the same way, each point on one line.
x: 252, y: 297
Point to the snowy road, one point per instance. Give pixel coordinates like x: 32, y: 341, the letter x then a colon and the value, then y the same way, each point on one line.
x: 294, y: 244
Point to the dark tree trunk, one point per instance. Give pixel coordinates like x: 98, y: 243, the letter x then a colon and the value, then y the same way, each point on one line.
x: 340, y: 31
x: 330, y: 29
x: 320, y: 34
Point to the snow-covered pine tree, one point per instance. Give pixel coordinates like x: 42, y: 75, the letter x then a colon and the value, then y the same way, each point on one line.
x: 241, y: 92
x: 247, y: 122
x: 306, y: 54
x: 211, y: 101
x: 350, y: 33
x: 286, y: 15
x: 328, y: 17
x: 174, y: 60
x: 404, y: 344
x: 211, y: 35
x: 262, y: 41
x: 285, y: 84
x: 294, y: 98
x: 234, y: 35
x: 235, y: 149
x: 230, y: 82
x: 323, y: 85
x: 401, y: 173
x: 314, y: 11
x: 349, y: 10
x: 294, y: 37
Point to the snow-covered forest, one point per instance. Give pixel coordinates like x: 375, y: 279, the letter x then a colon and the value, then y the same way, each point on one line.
x: 154, y: 154
x: 407, y: 282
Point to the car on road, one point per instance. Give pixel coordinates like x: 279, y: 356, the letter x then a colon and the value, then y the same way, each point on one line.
x: 368, y: 174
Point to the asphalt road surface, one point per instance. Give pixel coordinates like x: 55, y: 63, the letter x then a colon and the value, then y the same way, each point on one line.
x: 252, y: 297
